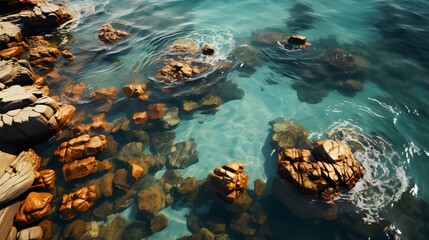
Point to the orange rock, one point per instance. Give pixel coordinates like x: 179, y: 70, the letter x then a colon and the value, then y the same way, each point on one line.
x: 105, y: 94
x: 12, y: 52
x: 68, y: 55
x: 108, y: 34
x: 80, y: 169
x: 140, y: 118
x: 208, y: 50
x: 46, y: 179
x: 156, y: 111
x: 229, y: 181
x: 74, y: 93
x: 135, y: 91
x: 79, y: 201
x: 98, y: 122
x: 33, y: 208
x: 81, y: 147
x: 136, y: 171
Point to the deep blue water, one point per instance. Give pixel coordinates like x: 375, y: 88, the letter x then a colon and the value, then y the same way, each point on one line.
x: 390, y: 114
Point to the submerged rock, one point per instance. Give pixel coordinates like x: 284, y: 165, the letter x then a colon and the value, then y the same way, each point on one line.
x: 340, y: 59
x: 151, y: 200
x: 108, y: 34
x: 27, y: 114
x: 229, y: 181
x: 170, y: 118
x: 104, y: 94
x: 80, y: 169
x: 135, y: 91
x: 183, y: 154
x: 287, y: 134
x: 73, y: 93
x: 158, y: 223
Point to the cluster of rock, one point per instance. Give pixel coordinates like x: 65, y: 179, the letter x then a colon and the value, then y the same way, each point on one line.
x: 320, y: 172
x: 229, y: 181
x: 108, y: 34
x: 19, y: 174
x: 182, y: 61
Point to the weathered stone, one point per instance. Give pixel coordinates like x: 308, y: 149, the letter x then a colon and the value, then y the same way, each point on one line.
x: 187, y: 186
x: 17, y: 72
x: 43, y: 54
x: 259, y: 187
x: 170, y: 118
x: 12, y: 52
x: 79, y: 201
x: 340, y: 59
x: 32, y: 233
x: 151, y: 200
x: 208, y: 49
x: 46, y: 226
x: 104, y: 94
x: 17, y: 174
x: 9, y: 32
x: 135, y: 91
x: 136, y: 171
x: 130, y: 151
x: 28, y: 115
x: 288, y: 134
x: 298, y: 40
x: 120, y: 179
x: 229, y: 181
x: 80, y: 168
x: 158, y: 222
x: 108, y: 34
x: 68, y: 55
x: 190, y: 106
x: 107, y: 184
x: 45, y: 17
x: 156, y: 111
x: 80, y: 147
x: 74, y: 93
x: 140, y: 118
x: 33, y: 208
x: 183, y: 154
x: 75, y: 229
x: 242, y: 224
x: 98, y: 122
x: 322, y: 172
x: 45, y: 179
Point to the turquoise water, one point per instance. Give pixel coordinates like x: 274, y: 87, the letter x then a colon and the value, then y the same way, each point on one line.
x: 390, y: 114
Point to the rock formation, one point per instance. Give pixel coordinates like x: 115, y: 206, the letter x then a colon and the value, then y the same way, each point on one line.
x: 135, y: 91
x: 17, y: 174
x: 81, y: 147
x: 27, y: 115
x: 79, y: 201
x: 45, y: 179
x: 17, y: 72
x: 105, y: 94
x: 229, y: 181
x: 108, y: 34
x: 321, y: 172
x: 79, y: 168
x: 35, y: 206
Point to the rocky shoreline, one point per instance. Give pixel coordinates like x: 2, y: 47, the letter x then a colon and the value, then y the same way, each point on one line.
x: 100, y: 167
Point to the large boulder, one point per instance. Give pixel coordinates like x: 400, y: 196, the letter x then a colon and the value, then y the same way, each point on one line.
x: 151, y: 200
x: 229, y: 181
x: 17, y: 174
x: 321, y: 172
x: 45, y: 17
x: 17, y: 72
x: 27, y: 115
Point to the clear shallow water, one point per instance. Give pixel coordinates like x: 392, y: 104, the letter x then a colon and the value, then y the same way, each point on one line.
x: 390, y: 113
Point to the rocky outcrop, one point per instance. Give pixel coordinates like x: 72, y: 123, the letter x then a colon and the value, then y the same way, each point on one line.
x: 179, y: 70
x: 17, y: 72
x: 321, y: 172
x: 33, y: 208
x: 81, y: 147
x: 9, y: 32
x: 229, y: 181
x: 17, y: 174
x: 108, y: 34
x: 27, y: 115
x: 79, y: 201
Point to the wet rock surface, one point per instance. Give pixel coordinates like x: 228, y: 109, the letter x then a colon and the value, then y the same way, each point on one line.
x: 80, y: 147
x: 79, y: 168
x: 17, y: 72
x: 34, y: 208
x: 108, y: 34
x: 229, y: 181
x: 27, y: 114
x: 79, y: 201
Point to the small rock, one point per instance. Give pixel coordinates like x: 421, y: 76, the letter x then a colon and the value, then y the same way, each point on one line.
x: 208, y: 50
x: 158, y: 222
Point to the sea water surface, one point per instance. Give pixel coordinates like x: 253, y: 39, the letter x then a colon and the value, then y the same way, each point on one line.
x: 390, y: 115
